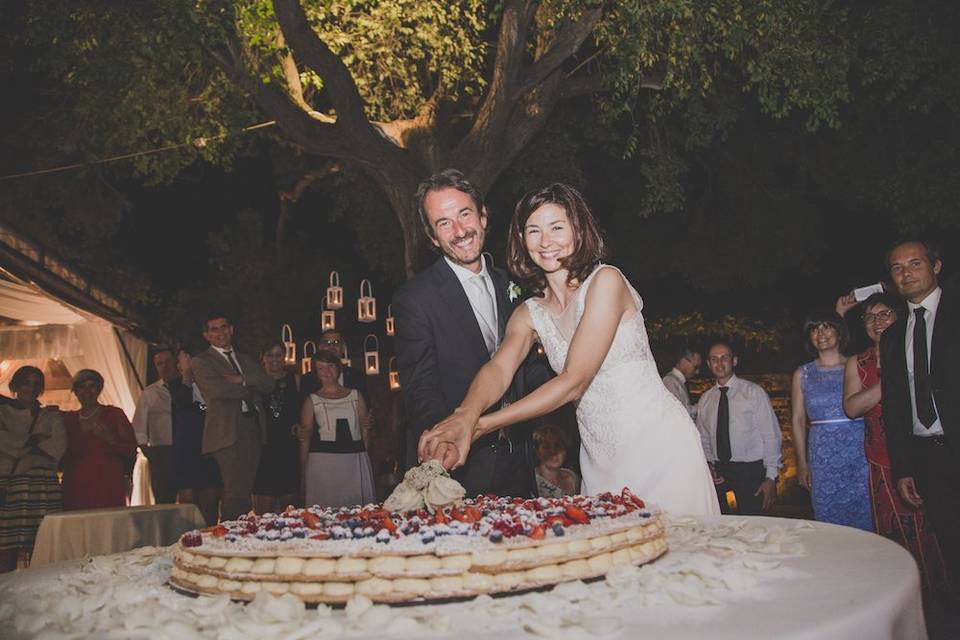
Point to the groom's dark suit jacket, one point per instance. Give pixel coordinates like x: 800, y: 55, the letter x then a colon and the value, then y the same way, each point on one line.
x: 944, y: 380
x: 439, y: 349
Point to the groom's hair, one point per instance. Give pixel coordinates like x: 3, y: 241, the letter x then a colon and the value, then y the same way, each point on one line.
x: 448, y: 178
x: 589, y: 246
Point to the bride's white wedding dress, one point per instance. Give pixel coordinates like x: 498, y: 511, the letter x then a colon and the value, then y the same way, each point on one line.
x: 633, y: 432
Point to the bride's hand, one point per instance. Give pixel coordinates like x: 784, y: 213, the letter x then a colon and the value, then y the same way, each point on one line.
x: 458, y: 428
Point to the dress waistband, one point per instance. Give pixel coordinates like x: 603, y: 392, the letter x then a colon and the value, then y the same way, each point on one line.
x: 835, y: 420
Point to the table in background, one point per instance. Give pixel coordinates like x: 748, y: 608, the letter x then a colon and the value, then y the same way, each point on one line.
x: 96, y: 532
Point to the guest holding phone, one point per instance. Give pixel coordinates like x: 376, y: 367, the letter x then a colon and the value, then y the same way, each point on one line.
x: 893, y: 517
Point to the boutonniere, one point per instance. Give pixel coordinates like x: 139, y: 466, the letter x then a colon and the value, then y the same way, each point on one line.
x: 513, y: 291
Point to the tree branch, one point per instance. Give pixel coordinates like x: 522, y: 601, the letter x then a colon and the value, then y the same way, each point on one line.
x: 565, y: 44
x: 317, y: 55
x: 500, y: 99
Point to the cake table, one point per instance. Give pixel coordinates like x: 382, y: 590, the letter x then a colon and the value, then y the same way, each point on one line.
x: 724, y: 577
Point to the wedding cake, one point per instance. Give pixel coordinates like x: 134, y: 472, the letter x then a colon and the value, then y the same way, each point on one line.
x: 420, y: 550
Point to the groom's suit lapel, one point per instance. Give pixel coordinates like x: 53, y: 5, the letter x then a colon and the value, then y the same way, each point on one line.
x: 504, y: 306
x: 457, y: 305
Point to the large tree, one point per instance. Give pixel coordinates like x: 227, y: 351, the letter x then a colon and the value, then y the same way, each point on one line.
x: 398, y: 89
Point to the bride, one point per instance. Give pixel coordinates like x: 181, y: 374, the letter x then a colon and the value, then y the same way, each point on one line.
x: 634, y: 433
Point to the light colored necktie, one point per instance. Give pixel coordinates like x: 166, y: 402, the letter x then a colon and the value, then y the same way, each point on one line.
x: 485, y: 305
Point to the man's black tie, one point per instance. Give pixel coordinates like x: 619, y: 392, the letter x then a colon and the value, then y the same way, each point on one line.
x: 921, y: 371
x: 723, y: 427
x: 233, y: 362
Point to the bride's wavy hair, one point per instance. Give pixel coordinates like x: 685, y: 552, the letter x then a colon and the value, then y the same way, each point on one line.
x: 589, y: 246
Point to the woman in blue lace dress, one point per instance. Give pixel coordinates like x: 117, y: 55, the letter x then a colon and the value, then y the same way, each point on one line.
x: 830, y: 460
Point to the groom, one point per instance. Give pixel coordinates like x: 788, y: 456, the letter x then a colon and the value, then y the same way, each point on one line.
x: 450, y: 320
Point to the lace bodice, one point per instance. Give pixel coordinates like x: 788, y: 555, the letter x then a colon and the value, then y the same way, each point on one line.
x: 822, y: 392
x: 628, y: 368
x: 633, y: 432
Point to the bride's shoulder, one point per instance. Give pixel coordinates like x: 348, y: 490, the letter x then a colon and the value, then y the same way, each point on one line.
x: 606, y: 278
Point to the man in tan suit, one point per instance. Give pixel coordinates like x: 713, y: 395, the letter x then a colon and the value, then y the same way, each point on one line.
x: 235, y: 426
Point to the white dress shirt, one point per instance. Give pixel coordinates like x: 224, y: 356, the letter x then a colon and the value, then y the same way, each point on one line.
x: 676, y: 383
x: 234, y: 361
x: 754, y: 427
x: 930, y: 303
x: 153, y: 420
x: 464, y: 275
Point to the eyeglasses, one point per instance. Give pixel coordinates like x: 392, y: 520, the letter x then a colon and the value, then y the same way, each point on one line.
x: 822, y: 327
x: 332, y: 343
x: 879, y: 316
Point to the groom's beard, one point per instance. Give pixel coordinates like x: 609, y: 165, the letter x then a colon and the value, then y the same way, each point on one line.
x: 468, y: 255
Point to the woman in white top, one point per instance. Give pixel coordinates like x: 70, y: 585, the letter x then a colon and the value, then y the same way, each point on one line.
x: 334, y: 425
x: 633, y: 432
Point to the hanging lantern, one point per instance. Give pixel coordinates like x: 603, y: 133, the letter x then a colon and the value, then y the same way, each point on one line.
x: 367, y: 304
x: 306, y: 364
x: 371, y: 357
x: 328, y: 319
x: 345, y: 360
x: 289, y: 346
x: 334, y: 292
x: 390, y: 327
x: 394, y: 375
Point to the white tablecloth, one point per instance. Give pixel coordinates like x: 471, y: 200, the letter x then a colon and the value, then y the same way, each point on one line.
x: 97, y: 532
x: 725, y: 577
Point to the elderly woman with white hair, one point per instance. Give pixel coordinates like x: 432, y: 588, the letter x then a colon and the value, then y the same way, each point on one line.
x: 100, y: 446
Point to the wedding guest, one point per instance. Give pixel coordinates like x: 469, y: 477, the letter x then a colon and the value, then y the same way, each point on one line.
x: 334, y: 425
x: 195, y: 476
x: 32, y: 441
x: 740, y: 434
x: 278, y: 478
x: 101, y: 446
x: 921, y: 388
x: 685, y: 368
x: 833, y: 467
x: 893, y: 517
x: 553, y: 479
x: 352, y: 378
x: 152, y: 426
x: 235, y: 426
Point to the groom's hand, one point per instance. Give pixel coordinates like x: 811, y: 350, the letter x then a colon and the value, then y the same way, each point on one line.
x: 448, y: 454
x: 458, y: 429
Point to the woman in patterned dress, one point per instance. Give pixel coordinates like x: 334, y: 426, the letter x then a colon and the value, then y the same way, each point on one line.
x: 893, y: 517
x: 833, y: 467
x: 32, y: 441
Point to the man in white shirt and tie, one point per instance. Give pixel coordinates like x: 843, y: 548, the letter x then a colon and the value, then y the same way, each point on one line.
x: 920, y: 386
x: 740, y: 434
x: 687, y: 366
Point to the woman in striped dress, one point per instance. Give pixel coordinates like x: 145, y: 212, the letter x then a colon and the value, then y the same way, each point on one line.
x: 32, y: 441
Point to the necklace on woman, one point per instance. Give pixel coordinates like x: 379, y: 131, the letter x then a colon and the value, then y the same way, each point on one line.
x: 89, y: 415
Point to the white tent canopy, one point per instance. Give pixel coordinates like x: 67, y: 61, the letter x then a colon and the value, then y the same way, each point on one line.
x: 50, y: 329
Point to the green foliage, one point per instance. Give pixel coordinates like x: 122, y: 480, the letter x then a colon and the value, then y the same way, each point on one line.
x: 756, y: 335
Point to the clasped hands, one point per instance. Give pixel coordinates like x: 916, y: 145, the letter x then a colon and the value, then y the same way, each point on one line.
x: 450, y: 439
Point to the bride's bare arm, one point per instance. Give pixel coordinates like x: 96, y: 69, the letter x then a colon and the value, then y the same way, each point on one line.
x: 607, y: 302
x: 487, y: 387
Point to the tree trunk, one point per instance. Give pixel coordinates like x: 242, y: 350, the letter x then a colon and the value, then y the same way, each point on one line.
x: 399, y: 184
